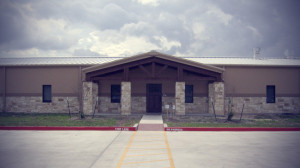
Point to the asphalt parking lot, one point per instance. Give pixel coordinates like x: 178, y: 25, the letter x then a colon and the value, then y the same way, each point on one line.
x: 80, y: 149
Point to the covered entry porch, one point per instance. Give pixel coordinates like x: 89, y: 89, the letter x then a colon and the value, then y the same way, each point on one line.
x: 146, y: 83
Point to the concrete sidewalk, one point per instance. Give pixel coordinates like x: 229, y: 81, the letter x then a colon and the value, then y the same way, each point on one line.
x: 151, y: 123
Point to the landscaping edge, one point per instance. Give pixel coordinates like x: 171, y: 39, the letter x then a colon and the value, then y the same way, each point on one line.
x: 76, y: 128
x: 229, y: 129
x: 66, y: 128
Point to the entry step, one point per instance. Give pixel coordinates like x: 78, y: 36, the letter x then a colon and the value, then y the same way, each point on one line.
x: 151, y: 127
x: 151, y: 123
x: 151, y: 119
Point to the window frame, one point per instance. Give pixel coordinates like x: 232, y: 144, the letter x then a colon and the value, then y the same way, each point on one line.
x: 112, y: 94
x: 268, y: 94
x: 189, y: 98
x: 46, y: 99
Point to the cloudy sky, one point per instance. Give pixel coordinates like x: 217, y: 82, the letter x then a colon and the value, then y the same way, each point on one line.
x: 129, y: 27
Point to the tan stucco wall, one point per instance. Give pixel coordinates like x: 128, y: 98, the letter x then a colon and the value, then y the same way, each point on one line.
x: 239, y: 81
x: 252, y: 81
x: 29, y: 80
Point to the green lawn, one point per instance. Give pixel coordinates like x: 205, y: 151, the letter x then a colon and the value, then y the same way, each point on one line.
x: 7, y: 119
x: 16, y: 119
x: 284, y: 122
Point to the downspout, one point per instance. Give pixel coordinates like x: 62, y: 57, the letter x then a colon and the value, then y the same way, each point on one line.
x: 81, y: 114
x: 80, y: 89
x: 4, y: 91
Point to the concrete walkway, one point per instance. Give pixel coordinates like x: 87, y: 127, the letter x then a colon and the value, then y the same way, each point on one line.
x: 151, y: 123
x: 148, y: 149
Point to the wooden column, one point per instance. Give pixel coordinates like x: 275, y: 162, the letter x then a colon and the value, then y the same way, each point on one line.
x: 126, y: 74
x: 179, y: 74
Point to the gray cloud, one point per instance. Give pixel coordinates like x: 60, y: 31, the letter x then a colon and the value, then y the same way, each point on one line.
x: 183, y: 27
x: 84, y: 52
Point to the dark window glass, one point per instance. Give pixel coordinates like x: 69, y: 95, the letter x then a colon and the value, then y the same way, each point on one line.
x: 189, y: 93
x: 270, y: 94
x: 47, y: 94
x: 115, y: 93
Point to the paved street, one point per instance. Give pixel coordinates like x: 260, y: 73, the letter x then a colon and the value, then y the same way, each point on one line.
x: 80, y: 149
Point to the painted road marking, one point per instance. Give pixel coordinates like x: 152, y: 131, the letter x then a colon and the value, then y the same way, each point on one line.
x: 126, y: 149
x: 146, y: 154
x: 148, y: 145
x: 169, y: 151
x: 145, y: 148
x: 148, y: 149
x: 145, y: 161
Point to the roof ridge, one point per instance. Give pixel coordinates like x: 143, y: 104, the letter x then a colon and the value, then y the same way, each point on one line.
x: 213, y: 57
x: 246, y: 58
x: 57, y: 57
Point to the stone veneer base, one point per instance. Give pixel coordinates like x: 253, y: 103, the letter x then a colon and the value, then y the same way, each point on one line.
x: 34, y: 104
x: 105, y: 106
x: 259, y: 105
x: 253, y: 105
x: 138, y: 105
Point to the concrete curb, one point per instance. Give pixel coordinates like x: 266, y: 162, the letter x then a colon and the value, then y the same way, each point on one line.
x: 228, y: 129
x: 58, y: 128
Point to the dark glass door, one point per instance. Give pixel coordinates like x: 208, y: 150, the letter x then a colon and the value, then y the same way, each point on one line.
x: 154, y: 99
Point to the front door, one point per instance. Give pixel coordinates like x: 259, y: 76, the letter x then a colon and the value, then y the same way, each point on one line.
x: 153, y: 99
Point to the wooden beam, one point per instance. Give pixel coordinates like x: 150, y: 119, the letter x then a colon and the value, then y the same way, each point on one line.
x: 157, y: 78
x: 162, y: 69
x: 103, y: 72
x: 153, y: 70
x: 126, y: 74
x: 201, y: 71
x: 187, y: 67
x: 118, y: 68
x: 154, y: 73
x: 179, y: 73
x: 199, y: 78
x: 109, y: 78
x: 145, y: 70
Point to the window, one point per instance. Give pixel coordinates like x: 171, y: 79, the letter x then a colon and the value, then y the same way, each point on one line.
x: 47, y: 94
x: 115, y: 93
x: 189, y: 94
x: 270, y: 94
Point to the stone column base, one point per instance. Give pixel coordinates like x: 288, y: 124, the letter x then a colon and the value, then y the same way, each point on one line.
x: 180, y: 98
x: 216, y: 97
x: 125, y: 98
x: 90, y: 94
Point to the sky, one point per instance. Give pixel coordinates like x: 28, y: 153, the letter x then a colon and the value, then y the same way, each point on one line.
x: 218, y: 28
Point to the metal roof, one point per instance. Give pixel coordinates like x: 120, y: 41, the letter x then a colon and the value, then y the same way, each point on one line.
x: 55, y: 61
x: 247, y: 61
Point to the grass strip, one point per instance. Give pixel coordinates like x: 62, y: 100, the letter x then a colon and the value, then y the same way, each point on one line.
x: 63, y: 120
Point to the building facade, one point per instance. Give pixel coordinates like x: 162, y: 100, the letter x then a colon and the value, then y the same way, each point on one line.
x: 149, y: 83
